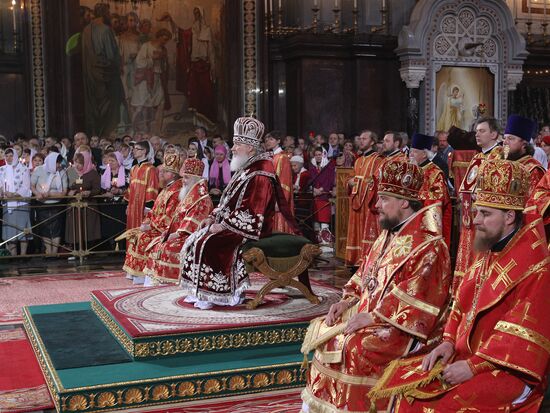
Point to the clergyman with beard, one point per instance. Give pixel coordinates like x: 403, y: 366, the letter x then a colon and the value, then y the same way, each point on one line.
x: 213, y: 270
x: 517, y: 142
x: 194, y: 207
x: 395, y: 299
x: 495, y: 341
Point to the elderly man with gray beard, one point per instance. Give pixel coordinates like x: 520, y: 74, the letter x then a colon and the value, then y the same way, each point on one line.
x: 195, y: 205
x: 213, y: 270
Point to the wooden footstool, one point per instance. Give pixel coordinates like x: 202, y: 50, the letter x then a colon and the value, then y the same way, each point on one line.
x: 284, y: 259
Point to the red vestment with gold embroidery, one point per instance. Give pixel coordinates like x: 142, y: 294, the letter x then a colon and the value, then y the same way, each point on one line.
x: 144, y: 184
x: 404, y: 284
x: 363, y: 218
x: 465, y: 252
x: 535, y: 169
x: 159, y: 219
x: 434, y: 189
x: 213, y: 268
x: 283, y: 170
x: 164, y: 264
x: 498, y: 323
x: 539, y: 202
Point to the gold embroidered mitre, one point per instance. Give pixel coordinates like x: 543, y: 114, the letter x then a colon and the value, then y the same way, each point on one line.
x: 400, y: 179
x: 502, y: 184
x: 172, y: 163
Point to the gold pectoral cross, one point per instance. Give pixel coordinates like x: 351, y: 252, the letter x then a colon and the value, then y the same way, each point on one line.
x: 503, y: 276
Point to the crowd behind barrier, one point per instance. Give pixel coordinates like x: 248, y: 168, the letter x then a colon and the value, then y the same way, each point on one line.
x: 65, y: 195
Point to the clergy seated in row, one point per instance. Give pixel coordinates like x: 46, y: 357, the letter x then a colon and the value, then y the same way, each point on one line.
x: 157, y: 220
x: 495, y: 349
x: 195, y: 205
x: 213, y: 270
x: 434, y: 190
x: 390, y: 307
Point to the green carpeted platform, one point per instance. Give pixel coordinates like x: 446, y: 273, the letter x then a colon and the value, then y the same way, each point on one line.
x: 78, y: 339
x: 141, y: 383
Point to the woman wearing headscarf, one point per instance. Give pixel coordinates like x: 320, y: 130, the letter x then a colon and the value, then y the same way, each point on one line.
x: 220, y: 173
x: 87, y: 184
x: 114, y: 182
x: 48, y: 182
x: 15, y: 182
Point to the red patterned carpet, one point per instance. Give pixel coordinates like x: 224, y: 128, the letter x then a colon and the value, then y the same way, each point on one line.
x: 17, y: 292
x: 162, y: 310
x: 25, y: 391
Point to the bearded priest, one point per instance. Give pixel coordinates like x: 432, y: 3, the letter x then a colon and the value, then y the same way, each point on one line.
x: 213, y: 270
x: 195, y: 205
x: 390, y: 307
x: 494, y: 355
x: 156, y: 221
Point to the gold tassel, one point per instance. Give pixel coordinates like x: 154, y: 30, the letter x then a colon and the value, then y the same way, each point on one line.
x: 372, y: 407
x: 305, y: 363
x: 116, y: 247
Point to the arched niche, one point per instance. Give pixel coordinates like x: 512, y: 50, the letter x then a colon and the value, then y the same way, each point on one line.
x: 469, y: 34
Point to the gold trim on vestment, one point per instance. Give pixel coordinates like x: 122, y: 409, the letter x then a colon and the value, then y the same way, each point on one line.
x: 343, y: 377
x: 400, y: 327
x: 524, y: 333
x: 415, y: 302
x: 509, y: 365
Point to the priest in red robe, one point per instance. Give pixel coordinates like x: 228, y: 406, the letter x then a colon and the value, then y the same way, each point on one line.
x: 363, y: 219
x: 495, y: 351
x: 434, y: 190
x: 144, y: 184
x: 518, y: 146
x: 213, y: 270
x: 157, y: 220
x: 392, y: 305
x: 283, y: 170
x: 163, y: 264
x: 487, y: 130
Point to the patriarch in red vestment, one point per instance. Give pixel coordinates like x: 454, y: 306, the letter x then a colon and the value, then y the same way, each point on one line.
x: 164, y: 264
x: 495, y: 349
x: 435, y: 189
x: 363, y: 219
x: 391, y: 306
x: 157, y: 220
x: 213, y: 270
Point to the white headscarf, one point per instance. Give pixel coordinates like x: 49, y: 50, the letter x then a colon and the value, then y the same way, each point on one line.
x: 50, y: 166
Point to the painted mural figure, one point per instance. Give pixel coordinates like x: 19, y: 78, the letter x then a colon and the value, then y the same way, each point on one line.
x: 453, y: 110
x: 150, y: 94
x: 129, y: 44
x: 195, y: 64
x: 103, y: 92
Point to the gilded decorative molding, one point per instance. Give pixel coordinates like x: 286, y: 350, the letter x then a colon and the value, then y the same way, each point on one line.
x: 37, y: 63
x: 250, y: 58
x: 225, y: 340
x: 150, y: 394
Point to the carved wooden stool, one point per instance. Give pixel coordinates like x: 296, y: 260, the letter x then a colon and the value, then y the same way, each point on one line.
x: 281, y: 258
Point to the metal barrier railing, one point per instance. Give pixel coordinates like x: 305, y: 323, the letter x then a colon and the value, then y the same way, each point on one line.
x: 74, y: 210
